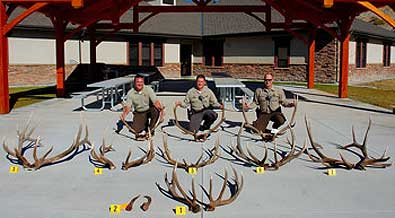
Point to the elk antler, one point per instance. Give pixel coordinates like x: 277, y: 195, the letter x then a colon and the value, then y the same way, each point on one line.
x: 149, y: 155
x: 214, y: 155
x: 25, y: 136
x: 270, y: 136
x: 251, y: 158
x: 145, y: 205
x: 100, y: 158
x: 193, y: 202
x: 160, y: 120
x: 367, y: 161
x: 202, y: 136
x: 184, y: 198
x: 325, y: 160
x: 129, y: 206
x: 237, y: 187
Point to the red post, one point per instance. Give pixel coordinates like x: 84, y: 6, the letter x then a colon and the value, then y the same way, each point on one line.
x: 152, y: 56
x: 4, y: 90
x: 310, y: 79
x: 60, y: 70
x: 343, y: 82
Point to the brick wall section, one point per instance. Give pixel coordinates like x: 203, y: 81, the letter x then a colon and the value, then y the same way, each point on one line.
x: 325, y: 59
x: 170, y: 70
x: 34, y: 75
x: 255, y: 71
x: 370, y: 73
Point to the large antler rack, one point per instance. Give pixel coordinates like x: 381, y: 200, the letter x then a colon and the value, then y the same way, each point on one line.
x: 160, y: 121
x: 365, y: 160
x: 193, y: 202
x: 148, y: 157
x: 251, y: 158
x: 270, y: 136
x: 100, y: 157
x: 214, y: 155
x: 25, y: 136
x: 199, y: 136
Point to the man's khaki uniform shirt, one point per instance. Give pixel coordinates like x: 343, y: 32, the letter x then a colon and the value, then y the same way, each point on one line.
x: 142, y: 100
x: 200, y: 100
x: 269, y: 100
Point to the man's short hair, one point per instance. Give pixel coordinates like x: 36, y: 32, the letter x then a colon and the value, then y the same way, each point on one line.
x: 137, y: 77
x: 200, y: 76
x: 268, y: 73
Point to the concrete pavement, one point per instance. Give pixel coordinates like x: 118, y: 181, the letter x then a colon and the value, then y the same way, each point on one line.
x: 298, y: 189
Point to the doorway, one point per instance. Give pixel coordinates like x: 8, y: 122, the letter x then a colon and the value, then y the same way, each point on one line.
x: 186, y: 59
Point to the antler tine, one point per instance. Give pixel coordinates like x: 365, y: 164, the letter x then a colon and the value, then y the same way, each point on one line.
x: 167, y: 153
x: 218, y: 124
x: 177, y: 123
x: 219, y: 201
x: 326, y: 161
x: 291, y: 123
x: 101, y: 158
x: 313, y: 144
x: 243, y: 111
x: 213, y: 157
x: 150, y: 154
x: 129, y: 207
x: 239, y: 149
x: 145, y: 205
x: 254, y: 159
x: 192, y: 203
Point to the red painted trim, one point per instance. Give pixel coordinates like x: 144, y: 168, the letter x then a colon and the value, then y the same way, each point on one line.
x: 8, y: 27
x: 4, y: 89
x: 151, y: 52
x: 60, y: 70
x: 310, y: 79
x: 343, y: 82
x: 222, y: 8
x: 140, y: 53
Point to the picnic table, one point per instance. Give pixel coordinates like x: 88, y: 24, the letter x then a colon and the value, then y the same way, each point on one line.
x: 230, y: 88
x: 110, y: 91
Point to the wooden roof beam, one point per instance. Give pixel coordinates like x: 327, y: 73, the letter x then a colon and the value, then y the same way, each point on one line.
x: 175, y: 9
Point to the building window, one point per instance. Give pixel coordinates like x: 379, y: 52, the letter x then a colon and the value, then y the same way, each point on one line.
x: 145, y: 54
x: 281, y: 53
x: 213, y: 52
x: 158, y: 54
x: 168, y: 2
x: 360, y: 54
x: 387, y: 55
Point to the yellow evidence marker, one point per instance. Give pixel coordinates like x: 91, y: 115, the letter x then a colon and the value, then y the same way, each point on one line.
x: 192, y: 170
x: 115, y: 209
x: 181, y: 210
x: 260, y: 170
x: 331, y: 172
x: 98, y: 171
x: 14, y: 169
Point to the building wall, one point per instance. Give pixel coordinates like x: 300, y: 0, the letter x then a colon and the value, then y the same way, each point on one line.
x: 374, y: 53
x: 172, y: 53
x: 42, y: 51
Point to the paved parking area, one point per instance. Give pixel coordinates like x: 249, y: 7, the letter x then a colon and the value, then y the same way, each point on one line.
x: 298, y: 189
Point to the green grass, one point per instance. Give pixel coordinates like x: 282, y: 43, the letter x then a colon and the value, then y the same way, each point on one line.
x: 23, y: 96
x: 380, y: 93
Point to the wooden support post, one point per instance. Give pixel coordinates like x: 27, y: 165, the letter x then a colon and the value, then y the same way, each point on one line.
x: 343, y: 81
x: 4, y: 90
x: 60, y: 69
x: 310, y: 77
x: 152, y: 54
